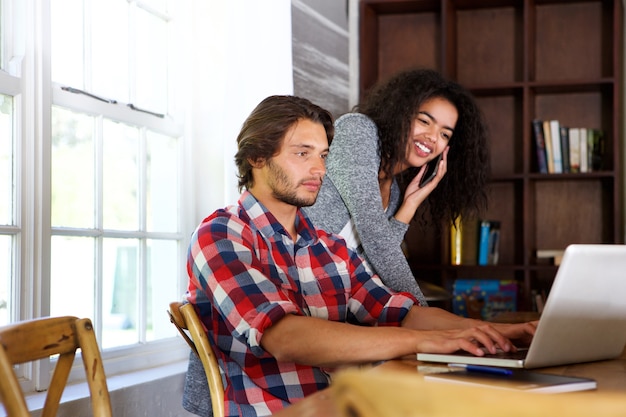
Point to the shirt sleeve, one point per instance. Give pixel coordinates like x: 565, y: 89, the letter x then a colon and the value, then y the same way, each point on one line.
x: 225, y: 271
x: 353, y: 165
x: 372, y: 302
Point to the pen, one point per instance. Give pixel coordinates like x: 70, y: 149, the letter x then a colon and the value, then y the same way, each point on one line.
x: 481, y: 369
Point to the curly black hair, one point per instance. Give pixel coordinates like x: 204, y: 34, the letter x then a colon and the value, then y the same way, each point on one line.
x: 394, y: 104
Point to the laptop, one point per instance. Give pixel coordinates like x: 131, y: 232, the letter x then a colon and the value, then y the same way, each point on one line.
x: 584, y: 318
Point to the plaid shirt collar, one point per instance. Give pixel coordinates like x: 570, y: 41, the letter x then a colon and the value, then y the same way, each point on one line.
x: 268, y: 225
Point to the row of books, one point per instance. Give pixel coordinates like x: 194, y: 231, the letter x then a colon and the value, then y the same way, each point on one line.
x: 562, y: 149
x: 475, y: 242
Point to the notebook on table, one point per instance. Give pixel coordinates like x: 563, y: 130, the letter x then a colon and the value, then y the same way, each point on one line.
x: 584, y: 318
x: 516, y: 379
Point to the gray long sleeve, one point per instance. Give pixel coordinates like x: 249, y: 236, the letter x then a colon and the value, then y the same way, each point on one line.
x: 351, y: 189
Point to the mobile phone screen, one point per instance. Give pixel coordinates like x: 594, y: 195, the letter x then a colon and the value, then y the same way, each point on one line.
x: 431, y: 171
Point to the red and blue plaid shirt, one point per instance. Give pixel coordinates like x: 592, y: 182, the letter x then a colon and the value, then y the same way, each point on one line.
x: 246, y: 273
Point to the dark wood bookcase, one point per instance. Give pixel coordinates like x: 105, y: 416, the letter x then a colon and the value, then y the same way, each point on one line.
x: 522, y: 59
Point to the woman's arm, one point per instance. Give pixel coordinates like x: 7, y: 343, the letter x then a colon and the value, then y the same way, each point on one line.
x: 353, y: 166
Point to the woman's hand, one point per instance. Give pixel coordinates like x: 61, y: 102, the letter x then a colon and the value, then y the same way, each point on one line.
x: 415, y: 195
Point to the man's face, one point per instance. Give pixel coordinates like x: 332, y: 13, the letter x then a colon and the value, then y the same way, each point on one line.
x: 294, y: 175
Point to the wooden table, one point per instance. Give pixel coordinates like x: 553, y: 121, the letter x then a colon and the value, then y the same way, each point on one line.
x: 610, y: 376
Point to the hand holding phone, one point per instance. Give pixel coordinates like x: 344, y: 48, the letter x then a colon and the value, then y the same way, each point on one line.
x: 431, y: 170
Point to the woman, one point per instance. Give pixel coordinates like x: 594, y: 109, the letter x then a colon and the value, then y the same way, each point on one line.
x: 378, y: 156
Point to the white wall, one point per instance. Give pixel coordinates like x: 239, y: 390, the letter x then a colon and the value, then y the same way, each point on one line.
x: 242, y: 54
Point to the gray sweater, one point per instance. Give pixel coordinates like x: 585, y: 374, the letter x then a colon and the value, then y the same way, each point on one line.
x: 351, y: 189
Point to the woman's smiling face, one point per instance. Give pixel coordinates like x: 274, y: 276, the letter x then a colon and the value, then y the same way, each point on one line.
x: 431, y: 131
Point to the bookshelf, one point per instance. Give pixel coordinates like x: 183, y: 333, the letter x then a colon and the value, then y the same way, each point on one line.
x: 523, y: 60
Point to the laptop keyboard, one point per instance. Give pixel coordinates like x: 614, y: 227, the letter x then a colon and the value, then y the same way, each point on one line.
x: 500, y: 354
x: 520, y: 354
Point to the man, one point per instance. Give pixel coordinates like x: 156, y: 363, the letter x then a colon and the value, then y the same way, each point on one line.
x: 282, y: 300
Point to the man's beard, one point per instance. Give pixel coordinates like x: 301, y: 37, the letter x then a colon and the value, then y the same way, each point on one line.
x: 282, y: 188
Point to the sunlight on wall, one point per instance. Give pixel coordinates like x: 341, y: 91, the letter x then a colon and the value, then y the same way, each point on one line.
x: 242, y: 54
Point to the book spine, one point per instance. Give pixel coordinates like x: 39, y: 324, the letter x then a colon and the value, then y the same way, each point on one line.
x: 483, y: 243
x: 548, y: 141
x: 564, y: 135
x: 597, y: 149
x: 456, y: 242
x: 589, y: 150
x: 540, y: 146
x: 555, y: 134
x: 583, y: 150
x: 574, y: 149
x: 494, y: 243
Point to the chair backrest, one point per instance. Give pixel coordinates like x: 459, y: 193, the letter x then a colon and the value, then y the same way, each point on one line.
x: 40, y: 338
x: 184, y: 317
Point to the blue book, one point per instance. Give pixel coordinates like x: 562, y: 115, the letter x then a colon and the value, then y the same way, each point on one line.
x: 483, y: 242
x: 540, y: 146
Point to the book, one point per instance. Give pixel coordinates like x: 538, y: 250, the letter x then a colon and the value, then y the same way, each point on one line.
x: 564, y: 135
x: 574, y: 149
x: 554, y: 255
x: 548, y: 141
x: 494, y: 243
x: 595, y: 139
x: 514, y: 379
x: 583, y: 150
x: 464, y: 242
x: 483, y: 242
x: 469, y: 244
x: 557, y: 156
x: 488, y: 242
x: 483, y: 298
x: 540, y: 146
x: 456, y: 241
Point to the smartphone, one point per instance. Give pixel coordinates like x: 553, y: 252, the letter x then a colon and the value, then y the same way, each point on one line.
x: 431, y: 170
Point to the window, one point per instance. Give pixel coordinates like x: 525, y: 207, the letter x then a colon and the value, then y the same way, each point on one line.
x: 10, y: 180
x: 8, y: 224
x: 91, y: 170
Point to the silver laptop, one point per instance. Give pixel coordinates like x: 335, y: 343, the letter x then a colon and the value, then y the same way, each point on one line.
x: 584, y: 318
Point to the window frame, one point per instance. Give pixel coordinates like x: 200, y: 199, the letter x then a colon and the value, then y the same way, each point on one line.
x: 26, y: 76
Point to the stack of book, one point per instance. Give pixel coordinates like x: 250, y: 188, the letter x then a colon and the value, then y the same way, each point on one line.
x: 475, y: 242
x: 562, y: 149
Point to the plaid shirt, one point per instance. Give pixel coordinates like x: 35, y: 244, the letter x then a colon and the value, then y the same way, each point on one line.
x: 246, y: 273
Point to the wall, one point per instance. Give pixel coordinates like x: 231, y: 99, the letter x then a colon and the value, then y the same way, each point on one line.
x: 320, y: 53
x: 230, y: 78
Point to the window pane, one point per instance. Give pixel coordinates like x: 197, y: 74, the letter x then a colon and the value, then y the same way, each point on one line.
x: 121, y: 176
x: 162, y: 183
x: 72, y: 169
x: 67, y: 42
x: 109, y: 51
x: 7, y: 179
x: 162, y: 286
x: 158, y: 5
x: 119, y: 292
x: 72, y: 272
x: 6, y: 272
x: 1, y: 35
x: 151, y: 64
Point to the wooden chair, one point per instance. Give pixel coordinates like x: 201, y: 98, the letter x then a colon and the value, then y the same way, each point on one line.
x: 184, y: 317
x: 40, y: 338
